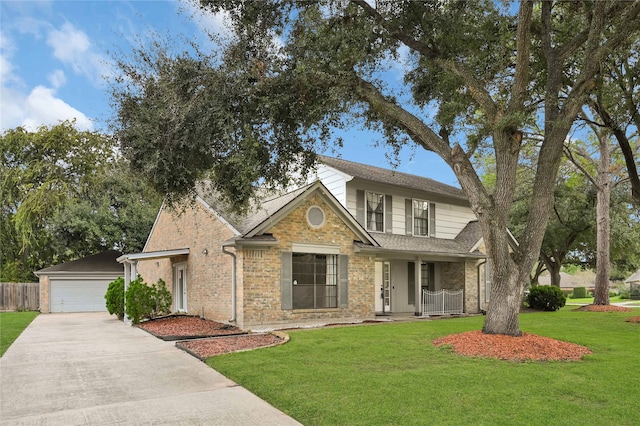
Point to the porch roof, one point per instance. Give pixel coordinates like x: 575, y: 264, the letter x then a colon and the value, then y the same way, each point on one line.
x: 161, y: 254
x: 404, y: 244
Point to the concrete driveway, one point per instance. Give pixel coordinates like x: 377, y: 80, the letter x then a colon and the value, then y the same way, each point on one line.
x: 91, y: 369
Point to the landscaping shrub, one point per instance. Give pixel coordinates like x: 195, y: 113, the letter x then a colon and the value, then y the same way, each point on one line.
x: 546, y: 298
x: 115, y: 298
x: 624, y: 294
x: 161, y: 298
x: 635, y: 293
x: 579, y: 292
x: 145, y: 301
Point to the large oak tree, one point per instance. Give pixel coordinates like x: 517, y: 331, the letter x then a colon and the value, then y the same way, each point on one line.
x: 473, y: 75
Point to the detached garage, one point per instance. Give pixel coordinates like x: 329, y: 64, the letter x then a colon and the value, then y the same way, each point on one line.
x: 80, y: 285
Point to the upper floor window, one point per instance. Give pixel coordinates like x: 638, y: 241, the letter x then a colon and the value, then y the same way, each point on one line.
x: 420, y: 217
x: 375, y: 211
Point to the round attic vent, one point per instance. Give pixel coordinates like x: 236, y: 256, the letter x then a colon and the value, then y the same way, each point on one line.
x: 315, y: 216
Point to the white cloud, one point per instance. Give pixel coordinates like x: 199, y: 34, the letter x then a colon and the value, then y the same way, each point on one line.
x: 74, y: 48
x: 57, y: 78
x: 38, y: 107
x: 218, y: 24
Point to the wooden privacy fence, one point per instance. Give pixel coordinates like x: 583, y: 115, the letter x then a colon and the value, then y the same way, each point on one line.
x: 19, y: 296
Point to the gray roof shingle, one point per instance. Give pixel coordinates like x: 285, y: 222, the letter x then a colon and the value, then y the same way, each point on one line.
x: 101, y: 262
x: 407, y: 243
x: 392, y: 177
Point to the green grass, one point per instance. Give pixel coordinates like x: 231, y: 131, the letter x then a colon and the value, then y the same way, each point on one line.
x: 390, y: 374
x: 589, y: 300
x: 11, y: 325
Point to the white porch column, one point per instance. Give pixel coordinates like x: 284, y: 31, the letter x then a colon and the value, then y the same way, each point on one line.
x: 127, y: 281
x: 418, y: 289
x: 130, y: 273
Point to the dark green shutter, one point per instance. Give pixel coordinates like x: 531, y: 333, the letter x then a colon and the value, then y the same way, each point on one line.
x: 343, y: 280
x: 388, y: 214
x: 408, y: 216
x: 287, y: 290
x: 360, y: 207
x: 432, y: 219
x: 411, y: 281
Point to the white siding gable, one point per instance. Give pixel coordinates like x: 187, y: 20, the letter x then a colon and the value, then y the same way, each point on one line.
x: 450, y: 218
x: 336, y: 183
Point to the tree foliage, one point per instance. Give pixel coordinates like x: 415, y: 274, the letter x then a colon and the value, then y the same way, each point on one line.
x: 292, y: 71
x: 66, y: 195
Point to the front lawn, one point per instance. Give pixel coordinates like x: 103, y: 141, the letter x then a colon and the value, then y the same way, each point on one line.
x: 390, y: 374
x: 589, y: 300
x: 11, y: 325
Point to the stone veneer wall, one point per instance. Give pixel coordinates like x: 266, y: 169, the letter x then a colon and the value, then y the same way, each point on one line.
x: 261, y: 273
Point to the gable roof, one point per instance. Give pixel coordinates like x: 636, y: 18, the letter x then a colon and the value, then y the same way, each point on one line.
x: 393, y: 177
x: 274, y: 208
x: 103, y: 262
x: 634, y: 277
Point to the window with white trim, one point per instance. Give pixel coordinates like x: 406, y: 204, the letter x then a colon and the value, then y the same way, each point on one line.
x: 375, y: 211
x: 420, y: 217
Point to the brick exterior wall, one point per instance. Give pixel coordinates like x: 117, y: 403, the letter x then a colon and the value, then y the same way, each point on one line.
x: 258, y: 271
x: 464, y: 275
x: 45, y: 282
x: 262, y: 273
x: 208, y: 275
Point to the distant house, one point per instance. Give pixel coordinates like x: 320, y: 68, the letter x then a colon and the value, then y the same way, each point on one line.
x: 79, y: 285
x: 356, y: 242
x: 566, y: 281
x: 634, y: 279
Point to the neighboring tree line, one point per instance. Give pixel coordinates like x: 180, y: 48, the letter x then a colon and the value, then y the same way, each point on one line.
x: 67, y: 194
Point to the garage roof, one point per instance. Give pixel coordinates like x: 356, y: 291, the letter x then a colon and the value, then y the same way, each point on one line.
x: 103, y: 262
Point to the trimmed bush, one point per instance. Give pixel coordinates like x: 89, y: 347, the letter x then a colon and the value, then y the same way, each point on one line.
x: 579, y: 292
x: 546, y: 298
x: 144, y: 302
x: 115, y: 298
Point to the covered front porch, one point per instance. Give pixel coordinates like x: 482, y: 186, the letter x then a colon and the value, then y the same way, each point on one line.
x: 408, y: 268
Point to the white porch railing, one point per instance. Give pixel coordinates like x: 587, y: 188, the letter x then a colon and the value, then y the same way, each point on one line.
x: 442, y: 302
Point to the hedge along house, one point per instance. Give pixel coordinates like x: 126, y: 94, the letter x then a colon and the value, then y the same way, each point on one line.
x: 356, y: 242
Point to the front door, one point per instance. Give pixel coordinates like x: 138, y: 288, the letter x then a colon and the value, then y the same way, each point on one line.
x: 180, y: 287
x: 383, y: 287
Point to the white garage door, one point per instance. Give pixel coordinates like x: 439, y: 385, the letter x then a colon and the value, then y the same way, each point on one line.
x: 78, y: 295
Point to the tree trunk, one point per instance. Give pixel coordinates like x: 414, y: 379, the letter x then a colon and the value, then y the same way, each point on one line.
x: 554, y: 273
x: 603, y: 264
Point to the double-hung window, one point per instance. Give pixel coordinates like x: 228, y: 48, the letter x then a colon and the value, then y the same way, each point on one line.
x: 420, y: 217
x: 315, y: 280
x: 375, y: 211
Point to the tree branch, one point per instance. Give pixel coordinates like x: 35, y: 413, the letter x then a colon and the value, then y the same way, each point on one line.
x: 425, y: 137
x: 476, y: 89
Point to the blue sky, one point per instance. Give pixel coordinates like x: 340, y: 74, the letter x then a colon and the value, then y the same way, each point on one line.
x: 55, y: 59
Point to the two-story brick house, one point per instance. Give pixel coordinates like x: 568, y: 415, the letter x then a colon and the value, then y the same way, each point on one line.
x: 355, y: 242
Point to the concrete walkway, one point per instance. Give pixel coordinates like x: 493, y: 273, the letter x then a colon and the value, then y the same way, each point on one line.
x: 91, y: 369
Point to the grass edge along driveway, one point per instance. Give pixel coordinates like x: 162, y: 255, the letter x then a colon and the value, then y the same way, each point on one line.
x: 12, y: 324
x: 391, y: 374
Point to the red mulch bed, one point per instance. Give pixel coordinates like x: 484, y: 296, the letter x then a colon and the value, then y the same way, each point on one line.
x: 187, y: 327
x: 603, y: 308
x: 208, y: 338
x: 204, y: 348
x: 633, y: 319
x: 528, y: 347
